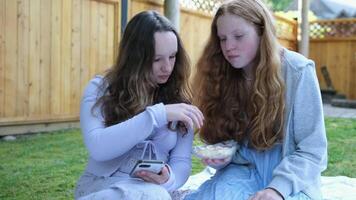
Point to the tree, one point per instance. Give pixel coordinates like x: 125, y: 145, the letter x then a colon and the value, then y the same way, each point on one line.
x: 278, y: 5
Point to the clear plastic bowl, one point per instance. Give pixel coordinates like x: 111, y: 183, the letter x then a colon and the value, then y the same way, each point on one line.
x: 216, y: 151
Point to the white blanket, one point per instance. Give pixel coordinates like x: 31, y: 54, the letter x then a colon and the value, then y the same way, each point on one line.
x: 333, y: 188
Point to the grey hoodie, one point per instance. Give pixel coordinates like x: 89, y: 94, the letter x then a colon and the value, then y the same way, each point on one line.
x: 305, y: 143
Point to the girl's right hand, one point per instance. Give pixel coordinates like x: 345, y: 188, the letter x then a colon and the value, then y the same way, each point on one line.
x: 190, y: 115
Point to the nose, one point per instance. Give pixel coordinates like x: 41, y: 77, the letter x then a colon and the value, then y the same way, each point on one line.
x: 230, y: 44
x: 166, y: 65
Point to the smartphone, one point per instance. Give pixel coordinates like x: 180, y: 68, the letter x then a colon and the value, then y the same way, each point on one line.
x: 154, y: 166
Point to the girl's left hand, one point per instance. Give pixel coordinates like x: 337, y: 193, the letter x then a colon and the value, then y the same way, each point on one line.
x: 266, y: 194
x: 151, y: 177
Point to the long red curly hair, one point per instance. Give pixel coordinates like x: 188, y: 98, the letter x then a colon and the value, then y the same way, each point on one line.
x: 231, y: 110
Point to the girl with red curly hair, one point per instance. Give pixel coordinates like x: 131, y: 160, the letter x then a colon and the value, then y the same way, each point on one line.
x: 267, y: 99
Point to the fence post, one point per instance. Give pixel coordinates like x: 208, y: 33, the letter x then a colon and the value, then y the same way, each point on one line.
x: 304, y: 40
x: 124, y: 14
x: 172, y: 12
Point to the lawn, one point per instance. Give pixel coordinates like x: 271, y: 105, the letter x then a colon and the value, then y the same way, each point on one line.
x: 47, y: 165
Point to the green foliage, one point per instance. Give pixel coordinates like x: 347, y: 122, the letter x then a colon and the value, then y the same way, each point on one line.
x: 197, y: 165
x: 47, y: 166
x: 278, y: 5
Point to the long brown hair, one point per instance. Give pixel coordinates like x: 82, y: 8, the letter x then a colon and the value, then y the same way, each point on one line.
x: 128, y: 88
x: 231, y: 112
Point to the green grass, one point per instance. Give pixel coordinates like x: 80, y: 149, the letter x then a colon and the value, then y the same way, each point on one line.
x: 341, y: 135
x: 47, y: 166
x: 41, y: 166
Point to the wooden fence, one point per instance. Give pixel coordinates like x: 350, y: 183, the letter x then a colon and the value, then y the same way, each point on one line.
x: 333, y: 44
x: 49, y: 50
x: 287, y: 31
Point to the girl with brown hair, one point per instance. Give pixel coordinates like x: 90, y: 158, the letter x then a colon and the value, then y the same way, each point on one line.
x: 139, y: 110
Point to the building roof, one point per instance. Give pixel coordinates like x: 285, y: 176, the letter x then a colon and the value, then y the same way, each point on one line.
x: 329, y: 9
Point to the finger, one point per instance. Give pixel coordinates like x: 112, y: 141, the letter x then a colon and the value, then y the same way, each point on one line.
x: 190, y: 109
x: 199, y: 112
x: 187, y: 122
x: 195, y: 108
x: 209, y: 162
x: 165, y: 171
x: 204, y: 161
x: 194, y: 118
x: 158, y: 178
x: 143, y: 175
x: 198, y: 117
x: 217, y: 161
x: 183, y: 129
x: 148, y: 176
x: 153, y: 177
x: 165, y: 174
x: 147, y: 179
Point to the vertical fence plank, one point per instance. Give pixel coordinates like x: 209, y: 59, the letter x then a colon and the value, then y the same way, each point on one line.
x: 331, y: 68
x: 85, y: 44
x: 94, y: 22
x: 45, y: 57
x: 336, y: 65
x: 347, y: 62
x: 117, y: 29
x: 352, y: 74
x: 75, y: 65
x: 56, y: 63
x: 102, y: 37
x: 2, y: 56
x: 66, y: 54
x: 110, y: 36
x: 313, y: 49
x: 344, y: 51
x: 34, y: 62
x: 11, y: 58
x: 22, y: 105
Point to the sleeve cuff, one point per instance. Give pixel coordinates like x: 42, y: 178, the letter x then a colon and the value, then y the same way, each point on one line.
x: 170, y: 183
x: 276, y: 192
x: 158, y: 114
x: 282, y: 185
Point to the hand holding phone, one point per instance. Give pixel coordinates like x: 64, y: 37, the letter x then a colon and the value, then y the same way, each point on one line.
x: 154, y: 166
x: 151, y: 171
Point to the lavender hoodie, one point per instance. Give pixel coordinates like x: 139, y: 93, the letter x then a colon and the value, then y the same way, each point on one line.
x: 107, y: 145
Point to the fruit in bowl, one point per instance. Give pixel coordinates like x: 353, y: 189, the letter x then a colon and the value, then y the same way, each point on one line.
x: 216, y: 151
